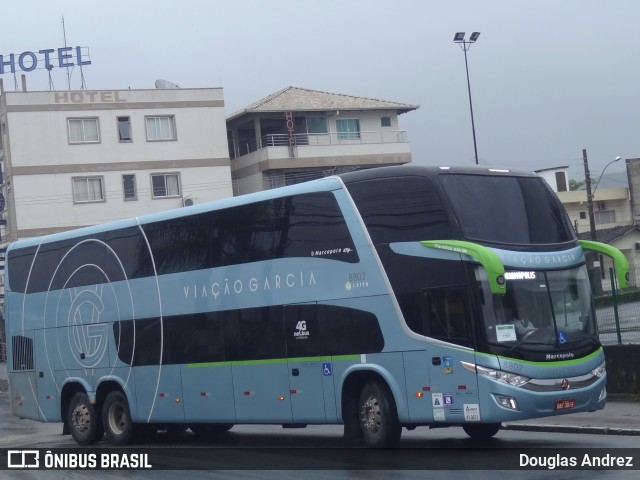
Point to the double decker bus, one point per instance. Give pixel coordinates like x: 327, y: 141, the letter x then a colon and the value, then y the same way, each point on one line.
x: 380, y: 299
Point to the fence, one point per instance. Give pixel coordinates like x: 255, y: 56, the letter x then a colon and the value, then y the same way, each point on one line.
x: 618, y: 312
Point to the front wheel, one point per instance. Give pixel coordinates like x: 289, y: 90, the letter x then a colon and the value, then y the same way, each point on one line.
x: 83, y: 421
x: 116, y: 418
x: 481, y: 431
x: 378, y: 416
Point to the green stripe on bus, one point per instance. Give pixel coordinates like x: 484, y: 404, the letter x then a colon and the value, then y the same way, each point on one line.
x: 274, y: 361
x: 487, y: 257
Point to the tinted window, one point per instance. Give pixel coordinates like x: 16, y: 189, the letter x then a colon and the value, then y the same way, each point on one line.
x: 400, y: 209
x: 312, y: 225
x: 299, y: 226
x: 196, y: 338
x: 315, y: 330
x: 441, y: 313
x: 254, y: 333
x: 108, y: 256
x: 505, y: 209
x: 264, y: 333
x: 142, y: 341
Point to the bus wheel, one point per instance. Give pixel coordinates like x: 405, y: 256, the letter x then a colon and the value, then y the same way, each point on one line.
x: 83, y: 421
x: 481, y: 431
x: 378, y: 417
x: 116, y: 418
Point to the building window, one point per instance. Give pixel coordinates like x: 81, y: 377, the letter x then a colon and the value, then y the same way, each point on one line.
x: 88, y: 189
x: 165, y: 185
x: 348, y: 129
x: 83, y: 130
x: 316, y: 125
x: 129, y: 187
x: 385, y: 121
x: 605, y: 216
x: 161, y: 129
x: 124, y: 129
x: 583, y: 215
x: 561, y: 181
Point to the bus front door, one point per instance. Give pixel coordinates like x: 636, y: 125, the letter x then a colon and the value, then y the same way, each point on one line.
x: 454, y: 389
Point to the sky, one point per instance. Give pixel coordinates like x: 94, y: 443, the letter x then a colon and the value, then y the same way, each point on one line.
x: 549, y: 78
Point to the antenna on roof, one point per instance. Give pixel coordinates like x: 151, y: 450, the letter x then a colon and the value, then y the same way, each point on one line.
x: 160, y: 83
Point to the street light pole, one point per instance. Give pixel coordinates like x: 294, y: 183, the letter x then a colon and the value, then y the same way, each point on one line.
x: 592, y: 193
x: 465, y: 45
x: 587, y: 181
x: 595, y: 269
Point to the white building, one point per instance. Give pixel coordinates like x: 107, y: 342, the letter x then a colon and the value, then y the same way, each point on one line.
x: 298, y: 134
x: 77, y: 158
x: 611, y: 206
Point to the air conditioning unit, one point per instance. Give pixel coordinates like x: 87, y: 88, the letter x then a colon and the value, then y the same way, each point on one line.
x: 602, y: 206
x: 187, y: 202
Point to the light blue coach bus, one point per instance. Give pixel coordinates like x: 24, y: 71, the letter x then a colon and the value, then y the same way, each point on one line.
x: 380, y: 299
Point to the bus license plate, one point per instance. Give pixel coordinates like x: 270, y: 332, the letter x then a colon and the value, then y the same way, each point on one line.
x: 565, y: 404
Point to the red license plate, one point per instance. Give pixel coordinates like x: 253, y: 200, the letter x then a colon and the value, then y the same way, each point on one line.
x: 565, y: 404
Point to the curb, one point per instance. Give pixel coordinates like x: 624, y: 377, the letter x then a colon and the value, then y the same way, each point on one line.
x: 571, y: 429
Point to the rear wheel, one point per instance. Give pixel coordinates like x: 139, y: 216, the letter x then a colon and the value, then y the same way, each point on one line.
x: 378, y: 417
x: 83, y: 421
x: 116, y: 418
x: 481, y: 431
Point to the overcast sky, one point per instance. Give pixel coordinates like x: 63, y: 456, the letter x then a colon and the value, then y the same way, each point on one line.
x: 549, y: 78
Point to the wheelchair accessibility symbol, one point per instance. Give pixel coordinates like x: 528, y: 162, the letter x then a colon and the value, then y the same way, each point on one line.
x: 327, y: 370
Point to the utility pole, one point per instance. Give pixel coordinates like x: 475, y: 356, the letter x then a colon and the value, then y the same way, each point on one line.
x: 587, y: 181
x: 594, y: 264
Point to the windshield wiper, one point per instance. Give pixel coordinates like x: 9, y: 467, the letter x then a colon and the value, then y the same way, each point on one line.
x: 595, y: 342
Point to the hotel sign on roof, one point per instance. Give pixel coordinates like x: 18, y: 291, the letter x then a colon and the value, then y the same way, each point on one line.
x: 48, y: 58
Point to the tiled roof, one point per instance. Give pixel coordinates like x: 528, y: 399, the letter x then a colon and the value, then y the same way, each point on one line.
x: 608, y: 235
x: 302, y: 99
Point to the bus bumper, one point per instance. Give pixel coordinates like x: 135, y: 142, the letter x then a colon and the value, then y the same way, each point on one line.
x: 506, y: 403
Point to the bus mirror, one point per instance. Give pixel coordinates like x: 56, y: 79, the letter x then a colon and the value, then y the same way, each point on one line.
x: 487, y: 258
x: 620, y: 263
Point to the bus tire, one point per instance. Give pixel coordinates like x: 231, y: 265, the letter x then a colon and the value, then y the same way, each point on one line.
x: 481, y: 431
x: 116, y: 418
x: 378, y: 416
x: 83, y: 422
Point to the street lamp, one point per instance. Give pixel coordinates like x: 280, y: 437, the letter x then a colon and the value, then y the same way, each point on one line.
x: 593, y: 194
x: 594, y: 270
x: 465, y: 45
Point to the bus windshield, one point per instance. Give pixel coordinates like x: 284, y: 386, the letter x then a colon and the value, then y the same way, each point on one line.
x: 507, y: 209
x: 541, y: 309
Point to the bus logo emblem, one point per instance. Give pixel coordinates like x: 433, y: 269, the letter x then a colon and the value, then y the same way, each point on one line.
x: 565, y: 384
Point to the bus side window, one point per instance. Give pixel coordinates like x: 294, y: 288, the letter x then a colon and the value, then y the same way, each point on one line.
x: 414, y: 306
x: 447, y: 315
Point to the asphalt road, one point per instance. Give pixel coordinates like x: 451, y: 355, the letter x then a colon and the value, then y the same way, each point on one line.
x: 250, y: 451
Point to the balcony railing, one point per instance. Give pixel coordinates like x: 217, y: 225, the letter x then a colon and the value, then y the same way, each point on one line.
x: 322, y: 139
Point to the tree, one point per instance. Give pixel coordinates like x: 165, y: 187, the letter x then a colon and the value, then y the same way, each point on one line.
x: 574, y: 185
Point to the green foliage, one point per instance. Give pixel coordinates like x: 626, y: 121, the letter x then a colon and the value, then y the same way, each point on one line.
x: 574, y: 185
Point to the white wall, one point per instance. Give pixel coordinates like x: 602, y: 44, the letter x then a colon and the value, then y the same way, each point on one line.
x: 42, y: 163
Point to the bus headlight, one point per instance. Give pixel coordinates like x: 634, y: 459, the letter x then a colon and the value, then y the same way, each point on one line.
x: 600, y: 370
x: 504, y: 377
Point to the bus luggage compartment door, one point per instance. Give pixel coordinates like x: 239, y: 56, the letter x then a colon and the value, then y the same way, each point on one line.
x: 307, y: 371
